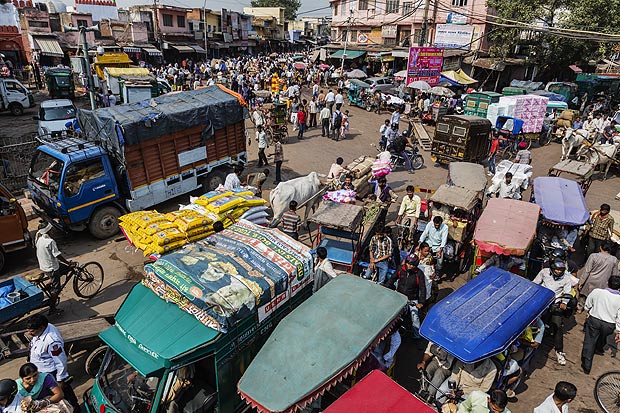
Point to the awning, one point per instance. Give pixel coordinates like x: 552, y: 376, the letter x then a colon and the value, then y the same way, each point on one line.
x: 575, y: 68
x: 350, y: 54
x: 129, y: 49
x: 197, y: 48
x: 459, y: 77
x: 400, y: 53
x: 49, y: 47
x: 183, y: 49
x: 219, y: 45
x: 152, y: 52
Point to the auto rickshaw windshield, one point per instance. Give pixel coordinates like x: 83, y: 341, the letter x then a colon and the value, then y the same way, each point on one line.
x: 125, y: 389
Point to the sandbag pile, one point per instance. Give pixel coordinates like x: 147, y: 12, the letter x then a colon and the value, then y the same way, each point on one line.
x: 157, y: 233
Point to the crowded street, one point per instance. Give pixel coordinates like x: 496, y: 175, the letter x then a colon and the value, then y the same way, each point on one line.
x: 287, y: 224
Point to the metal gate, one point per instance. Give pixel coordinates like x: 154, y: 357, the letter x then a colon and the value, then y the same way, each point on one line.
x: 15, y: 156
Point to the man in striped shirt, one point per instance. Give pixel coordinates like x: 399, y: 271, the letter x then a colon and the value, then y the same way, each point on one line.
x: 291, y: 221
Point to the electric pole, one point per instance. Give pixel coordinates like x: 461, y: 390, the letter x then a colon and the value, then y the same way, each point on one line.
x: 89, y: 74
x: 424, y: 32
x: 346, y: 37
x: 156, y: 32
x: 204, y: 11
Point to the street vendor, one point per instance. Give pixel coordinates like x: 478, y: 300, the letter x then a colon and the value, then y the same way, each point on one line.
x: 505, y: 189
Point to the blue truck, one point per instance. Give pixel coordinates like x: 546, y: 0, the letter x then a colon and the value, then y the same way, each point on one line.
x: 132, y: 157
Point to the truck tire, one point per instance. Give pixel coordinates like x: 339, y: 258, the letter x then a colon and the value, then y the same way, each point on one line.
x: 213, y: 179
x: 94, y: 361
x: 104, y: 222
x: 16, y: 109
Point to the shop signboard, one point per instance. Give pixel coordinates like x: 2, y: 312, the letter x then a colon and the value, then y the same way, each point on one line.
x: 454, y: 36
x: 424, y: 63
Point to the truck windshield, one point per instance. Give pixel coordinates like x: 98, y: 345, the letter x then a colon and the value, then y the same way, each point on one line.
x: 125, y: 389
x: 62, y: 80
x: 57, y: 113
x: 46, y: 170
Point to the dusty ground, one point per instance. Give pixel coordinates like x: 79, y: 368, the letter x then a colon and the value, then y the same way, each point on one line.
x: 123, y: 265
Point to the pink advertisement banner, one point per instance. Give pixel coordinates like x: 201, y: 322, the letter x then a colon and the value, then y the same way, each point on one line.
x: 424, y: 63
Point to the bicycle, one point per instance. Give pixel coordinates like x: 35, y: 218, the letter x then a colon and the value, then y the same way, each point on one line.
x: 404, y: 234
x: 87, y: 281
x: 607, y: 391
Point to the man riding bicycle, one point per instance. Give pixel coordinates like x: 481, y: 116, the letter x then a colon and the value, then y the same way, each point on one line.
x: 410, y: 210
x: 50, y: 258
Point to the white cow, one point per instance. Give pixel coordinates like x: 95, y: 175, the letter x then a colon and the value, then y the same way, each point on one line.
x: 573, y: 138
x: 298, y: 189
x: 601, y: 155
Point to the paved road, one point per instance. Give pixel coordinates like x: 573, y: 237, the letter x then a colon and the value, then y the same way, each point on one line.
x: 123, y: 265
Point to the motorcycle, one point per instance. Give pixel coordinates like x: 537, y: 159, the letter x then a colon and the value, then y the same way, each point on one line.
x: 397, y: 160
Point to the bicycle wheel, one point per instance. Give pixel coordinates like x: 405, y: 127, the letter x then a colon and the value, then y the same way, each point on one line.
x: 607, y: 392
x: 88, y: 279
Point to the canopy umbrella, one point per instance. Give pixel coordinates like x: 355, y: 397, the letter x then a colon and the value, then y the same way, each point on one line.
x: 441, y: 91
x: 324, y: 66
x: 359, y: 83
x: 401, y: 75
x: 356, y: 74
x: 419, y: 84
x: 273, y: 55
x: 299, y: 66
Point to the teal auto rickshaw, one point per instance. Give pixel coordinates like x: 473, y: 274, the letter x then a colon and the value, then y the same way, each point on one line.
x: 60, y: 83
x: 357, y: 93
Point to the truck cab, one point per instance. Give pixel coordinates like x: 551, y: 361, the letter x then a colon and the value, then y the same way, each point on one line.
x: 14, y: 234
x: 14, y: 96
x: 72, y: 182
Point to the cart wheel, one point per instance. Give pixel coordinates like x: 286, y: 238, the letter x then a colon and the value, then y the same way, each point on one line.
x: 528, y: 142
x: 88, y: 279
x: 607, y: 391
x: 368, y: 108
x: 95, y: 360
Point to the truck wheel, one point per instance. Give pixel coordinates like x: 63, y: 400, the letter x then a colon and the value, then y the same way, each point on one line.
x: 104, y: 222
x: 94, y: 361
x: 16, y: 109
x: 213, y: 180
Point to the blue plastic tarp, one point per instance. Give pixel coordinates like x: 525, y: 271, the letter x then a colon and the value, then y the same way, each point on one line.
x: 486, y: 315
x: 561, y: 200
x: 555, y: 97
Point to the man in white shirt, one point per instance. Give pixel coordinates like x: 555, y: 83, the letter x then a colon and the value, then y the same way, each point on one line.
x: 339, y: 99
x: 111, y: 98
x: 330, y: 98
x: 337, y: 169
x: 603, y: 306
x: 505, y: 188
x: 558, y: 402
x: 50, y: 257
x: 557, y: 280
x: 410, y: 209
x: 261, y: 138
x: 257, y: 117
x: 232, y: 179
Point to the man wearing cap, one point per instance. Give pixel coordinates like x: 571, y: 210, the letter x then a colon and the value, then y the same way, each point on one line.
x: 50, y: 258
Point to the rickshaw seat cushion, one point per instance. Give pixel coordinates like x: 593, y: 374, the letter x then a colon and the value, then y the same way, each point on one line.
x: 339, y: 233
x: 338, y: 251
x: 35, y: 277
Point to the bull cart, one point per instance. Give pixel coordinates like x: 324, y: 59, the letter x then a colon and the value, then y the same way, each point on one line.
x: 276, y: 122
x: 344, y: 230
x: 581, y: 172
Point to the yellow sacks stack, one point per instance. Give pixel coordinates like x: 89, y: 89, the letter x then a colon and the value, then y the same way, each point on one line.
x: 157, y: 233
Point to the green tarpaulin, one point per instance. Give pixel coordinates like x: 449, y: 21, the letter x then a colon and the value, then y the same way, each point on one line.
x: 321, y: 341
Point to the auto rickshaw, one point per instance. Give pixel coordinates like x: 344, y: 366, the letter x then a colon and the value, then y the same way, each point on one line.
x: 358, y: 93
x: 320, y: 357
x: 504, y: 233
x: 500, y: 307
x: 60, y: 83
x: 461, y: 138
x: 563, y: 211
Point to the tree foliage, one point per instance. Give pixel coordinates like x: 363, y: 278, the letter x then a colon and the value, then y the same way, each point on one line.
x: 551, y: 51
x: 290, y: 6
